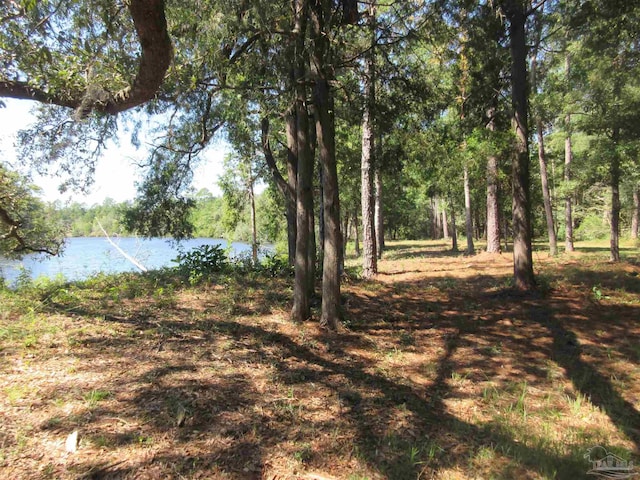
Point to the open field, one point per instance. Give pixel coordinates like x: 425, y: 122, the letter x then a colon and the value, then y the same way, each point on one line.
x: 441, y: 371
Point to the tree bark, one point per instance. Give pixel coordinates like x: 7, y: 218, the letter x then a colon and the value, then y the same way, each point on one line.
x: 369, y: 257
x: 325, y: 132
x: 468, y: 219
x: 312, y: 250
x: 312, y: 255
x: 434, y: 219
x: 454, y: 230
x: 546, y: 196
x: 379, y: 223
x: 522, y: 251
x: 292, y: 178
x: 636, y: 212
x: 301, y: 306
x: 321, y: 234
x: 464, y: 67
x: 345, y: 237
x: 438, y: 217
x: 615, y: 200
x: 505, y: 230
x: 254, y: 229
x: 445, y: 226
x: 568, y: 159
x: 542, y: 158
x: 615, y: 172
x: 287, y: 187
x: 301, y: 300
x: 568, y: 207
x: 493, y: 206
x: 356, y: 223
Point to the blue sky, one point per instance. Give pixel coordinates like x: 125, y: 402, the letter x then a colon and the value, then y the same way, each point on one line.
x: 115, y: 177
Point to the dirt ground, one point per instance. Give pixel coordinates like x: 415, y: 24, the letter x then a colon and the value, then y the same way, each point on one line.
x: 441, y: 371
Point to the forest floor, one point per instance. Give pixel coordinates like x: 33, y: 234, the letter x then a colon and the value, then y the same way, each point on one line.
x: 441, y: 371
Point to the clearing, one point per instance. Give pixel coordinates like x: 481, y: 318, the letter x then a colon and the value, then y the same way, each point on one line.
x: 441, y: 371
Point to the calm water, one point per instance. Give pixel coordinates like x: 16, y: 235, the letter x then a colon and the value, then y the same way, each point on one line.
x: 85, y: 256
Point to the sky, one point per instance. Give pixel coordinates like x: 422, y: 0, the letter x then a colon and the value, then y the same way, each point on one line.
x: 116, y: 173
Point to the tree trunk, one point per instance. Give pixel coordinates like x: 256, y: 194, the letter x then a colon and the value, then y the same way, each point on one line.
x: 312, y: 253
x: 317, y: 245
x: 478, y: 225
x: 636, y: 212
x: 615, y: 200
x: 312, y: 250
x: 341, y: 257
x: 505, y: 230
x: 438, y: 219
x: 286, y: 187
x: 464, y: 67
x: 325, y: 133
x: 568, y: 207
x: 546, y: 196
x: 301, y: 300
x: 356, y: 226
x: 468, y: 220
x: 301, y: 307
x: 379, y: 223
x: 435, y: 220
x: 321, y: 235
x: 454, y: 230
x: 445, y: 227
x: 493, y: 207
x: 553, y: 191
x: 292, y: 175
x: 369, y: 257
x: 568, y: 159
x: 522, y: 252
x: 542, y: 158
x: 291, y: 232
x: 346, y: 234
x: 254, y: 230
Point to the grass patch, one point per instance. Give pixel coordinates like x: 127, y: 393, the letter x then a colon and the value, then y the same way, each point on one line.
x: 94, y: 397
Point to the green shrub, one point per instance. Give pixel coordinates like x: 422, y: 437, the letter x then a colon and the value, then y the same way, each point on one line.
x: 276, y: 265
x: 592, y: 227
x: 243, y: 263
x: 200, y: 263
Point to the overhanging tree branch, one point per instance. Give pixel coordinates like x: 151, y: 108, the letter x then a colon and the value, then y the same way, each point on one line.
x: 151, y: 26
x: 155, y: 57
x: 14, y: 227
x: 24, y: 91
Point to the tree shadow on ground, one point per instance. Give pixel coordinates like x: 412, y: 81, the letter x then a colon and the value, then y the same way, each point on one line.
x: 243, y: 396
x: 624, y: 250
x: 609, y: 277
x: 408, y: 251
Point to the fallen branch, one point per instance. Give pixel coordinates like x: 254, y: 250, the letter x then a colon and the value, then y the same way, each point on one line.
x: 122, y: 252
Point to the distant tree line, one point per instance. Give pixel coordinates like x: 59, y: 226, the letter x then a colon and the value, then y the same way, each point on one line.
x: 211, y: 217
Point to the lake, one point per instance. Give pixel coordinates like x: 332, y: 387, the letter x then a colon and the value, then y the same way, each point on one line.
x: 86, y: 256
